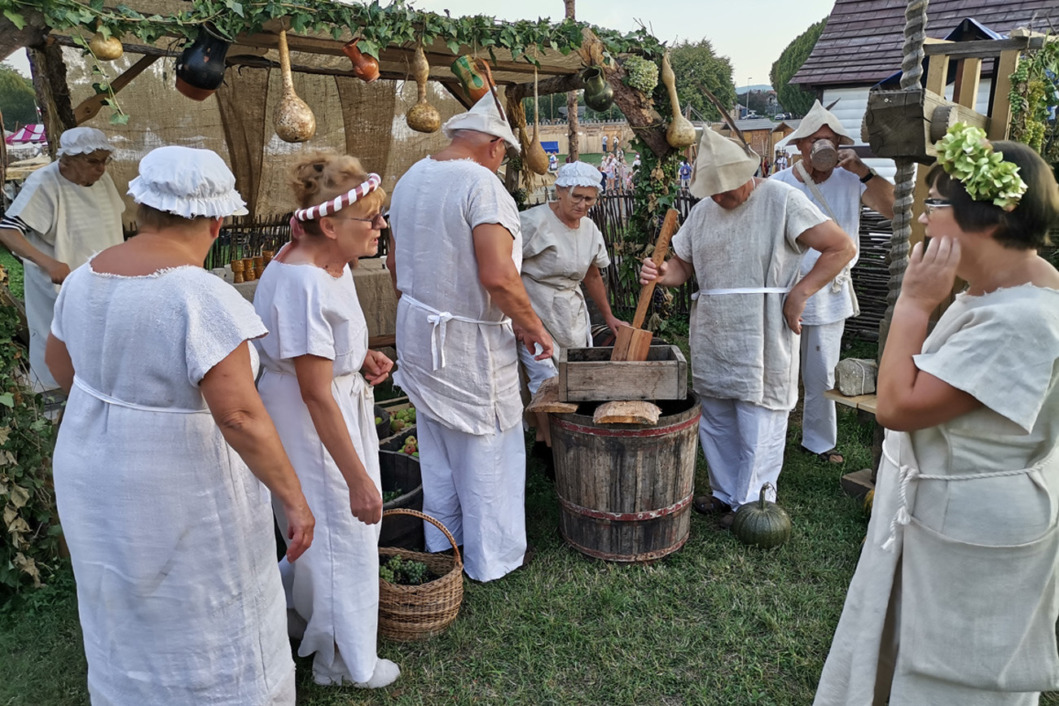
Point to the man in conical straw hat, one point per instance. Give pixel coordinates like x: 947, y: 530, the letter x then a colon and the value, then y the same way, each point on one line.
x: 838, y: 190
x: 743, y: 243
x: 456, y: 254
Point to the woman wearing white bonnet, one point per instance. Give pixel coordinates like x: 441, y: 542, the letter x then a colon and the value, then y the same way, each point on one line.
x: 64, y: 213
x: 561, y: 248
x: 170, y: 532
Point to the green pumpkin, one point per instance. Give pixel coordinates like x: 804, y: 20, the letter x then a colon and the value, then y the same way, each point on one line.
x: 762, y: 524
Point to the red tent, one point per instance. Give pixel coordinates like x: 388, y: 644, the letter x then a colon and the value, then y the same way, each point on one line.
x: 30, y: 134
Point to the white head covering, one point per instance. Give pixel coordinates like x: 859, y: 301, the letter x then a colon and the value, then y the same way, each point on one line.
x: 577, y: 174
x: 483, y: 117
x: 722, y: 165
x: 817, y: 117
x: 82, y: 140
x: 187, y: 182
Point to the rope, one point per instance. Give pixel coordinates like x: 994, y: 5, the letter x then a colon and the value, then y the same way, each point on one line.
x: 911, y: 73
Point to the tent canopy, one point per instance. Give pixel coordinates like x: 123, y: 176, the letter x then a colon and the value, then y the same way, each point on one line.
x: 28, y: 134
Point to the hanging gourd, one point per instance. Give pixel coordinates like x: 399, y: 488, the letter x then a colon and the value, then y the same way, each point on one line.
x: 365, y: 67
x: 533, y: 154
x: 681, y: 132
x: 200, y: 67
x: 294, y: 120
x: 763, y: 523
x: 599, y: 95
x: 474, y: 75
x: 422, y: 117
x: 105, y: 48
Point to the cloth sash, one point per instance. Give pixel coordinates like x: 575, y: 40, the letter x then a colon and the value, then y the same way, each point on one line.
x: 103, y: 397
x: 440, y: 320
x: 740, y: 290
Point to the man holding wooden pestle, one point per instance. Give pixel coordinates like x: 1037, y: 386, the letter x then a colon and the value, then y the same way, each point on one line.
x: 744, y: 243
x: 456, y: 254
x: 837, y: 182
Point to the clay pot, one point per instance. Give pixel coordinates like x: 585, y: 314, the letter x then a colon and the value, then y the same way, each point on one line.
x: 422, y: 117
x: 599, y: 96
x: 200, y: 67
x: 681, y: 133
x: 365, y: 67
x: 294, y: 120
x: 475, y: 76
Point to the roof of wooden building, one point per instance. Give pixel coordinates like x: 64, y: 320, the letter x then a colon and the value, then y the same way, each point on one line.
x: 862, y: 41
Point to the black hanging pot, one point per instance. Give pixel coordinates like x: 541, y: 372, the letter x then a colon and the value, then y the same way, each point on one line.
x: 200, y: 67
x: 599, y: 96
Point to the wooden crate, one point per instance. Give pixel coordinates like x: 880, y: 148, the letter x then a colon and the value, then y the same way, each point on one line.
x: 588, y: 374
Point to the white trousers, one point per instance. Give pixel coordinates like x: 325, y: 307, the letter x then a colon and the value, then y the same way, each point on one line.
x: 743, y: 444
x: 821, y: 348
x: 476, y: 487
x: 40, y: 297
x: 537, y: 371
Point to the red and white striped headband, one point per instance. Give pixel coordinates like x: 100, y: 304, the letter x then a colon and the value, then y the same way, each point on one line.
x: 339, y: 202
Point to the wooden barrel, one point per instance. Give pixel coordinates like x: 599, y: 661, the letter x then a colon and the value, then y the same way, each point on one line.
x: 625, y: 489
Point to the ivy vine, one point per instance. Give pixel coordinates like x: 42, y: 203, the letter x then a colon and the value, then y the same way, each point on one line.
x: 377, y: 26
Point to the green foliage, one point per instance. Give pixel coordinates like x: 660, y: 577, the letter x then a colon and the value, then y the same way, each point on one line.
x: 792, y: 98
x: 406, y: 572
x: 27, y: 499
x: 17, y: 100
x: 641, y: 74
x: 14, y: 273
x: 655, y: 187
x: 1034, y: 100
x: 696, y: 66
x: 968, y: 157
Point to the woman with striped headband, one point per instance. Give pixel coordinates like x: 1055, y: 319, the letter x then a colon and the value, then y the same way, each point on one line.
x: 316, y: 383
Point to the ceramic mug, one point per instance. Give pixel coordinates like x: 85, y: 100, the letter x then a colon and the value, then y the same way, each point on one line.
x: 824, y: 155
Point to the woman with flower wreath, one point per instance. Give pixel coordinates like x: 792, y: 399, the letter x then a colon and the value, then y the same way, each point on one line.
x: 955, y: 598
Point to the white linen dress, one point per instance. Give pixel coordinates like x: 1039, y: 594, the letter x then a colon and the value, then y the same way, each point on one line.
x: 956, y: 594
x: 69, y: 222
x: 170, y: 534
x: 334, y: 585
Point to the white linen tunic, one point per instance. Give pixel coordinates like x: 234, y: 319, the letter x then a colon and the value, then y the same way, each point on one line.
x: 741, y: 347
x: 843, y: 191
x: 70, y: 223
x: 170, y: 534
x: 456, y: 348
x: 336, y: 581
x: 555, y: 259
x: 958, y: 574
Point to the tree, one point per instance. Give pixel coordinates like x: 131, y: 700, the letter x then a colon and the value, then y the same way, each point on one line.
x: 793, y: 99
x: 695, y: 66
x: 17, y: 100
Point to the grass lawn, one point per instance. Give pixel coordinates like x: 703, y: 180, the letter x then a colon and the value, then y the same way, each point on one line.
x: 715, y: 623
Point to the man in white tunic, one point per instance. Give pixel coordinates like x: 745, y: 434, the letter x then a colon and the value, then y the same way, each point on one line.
x: 456, y: 254
x: 744, y: 244
x: 838, y: 190
x: 65, y: 213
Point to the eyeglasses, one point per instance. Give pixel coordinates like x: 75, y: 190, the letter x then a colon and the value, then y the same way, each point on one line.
x: 378, y: 221
x: 590, y: 201
x: 933, y: 205
x: 95, y: 162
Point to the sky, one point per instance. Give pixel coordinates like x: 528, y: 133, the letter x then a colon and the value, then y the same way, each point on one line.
x: 751, y: 33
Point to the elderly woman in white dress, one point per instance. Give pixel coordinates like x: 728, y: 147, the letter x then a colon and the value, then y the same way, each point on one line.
x: 954, y: 600
x: 170, y: 532
x: 561, y: 249
x: 324, y: 409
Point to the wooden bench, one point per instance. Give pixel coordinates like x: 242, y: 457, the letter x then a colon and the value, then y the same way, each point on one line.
x: 861, y: 403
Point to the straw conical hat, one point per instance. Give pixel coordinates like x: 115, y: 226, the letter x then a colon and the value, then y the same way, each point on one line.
x: 817, y: 117
x: 722, y: 165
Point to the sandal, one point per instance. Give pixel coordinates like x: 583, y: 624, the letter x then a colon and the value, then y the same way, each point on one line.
x: 709, y: 505
x: 726, y: 521
x: 831, y: 456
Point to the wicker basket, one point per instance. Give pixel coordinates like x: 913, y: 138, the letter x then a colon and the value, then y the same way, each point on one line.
x: 417, y: 612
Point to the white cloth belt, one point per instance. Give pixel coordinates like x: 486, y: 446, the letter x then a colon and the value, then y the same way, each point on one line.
x: 440, y: 319
x: 906, y: 474
x: 740, y: 290
x: 103, y: 397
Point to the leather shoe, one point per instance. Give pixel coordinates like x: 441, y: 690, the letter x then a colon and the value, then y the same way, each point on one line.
x: 709, y: 505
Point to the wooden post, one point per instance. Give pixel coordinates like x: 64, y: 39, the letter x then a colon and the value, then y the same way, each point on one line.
x: 1000, y: 111
x: 574, y: 149
x: 53, y: 95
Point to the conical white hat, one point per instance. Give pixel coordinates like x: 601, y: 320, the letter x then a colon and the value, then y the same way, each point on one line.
x: 721, y: 165
x: 483, y: 117
x: 817, y: 117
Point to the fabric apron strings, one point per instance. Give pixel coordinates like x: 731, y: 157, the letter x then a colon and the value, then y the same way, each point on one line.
x: 440, y: 320
x: 907, y: 473
x: 740, y: 290
x: 103, y: 397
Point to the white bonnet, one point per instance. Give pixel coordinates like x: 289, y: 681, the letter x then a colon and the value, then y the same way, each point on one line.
x: 187, y: 182
x: 83, y: 140
x: 577, y: 174
x: 483, y: 117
